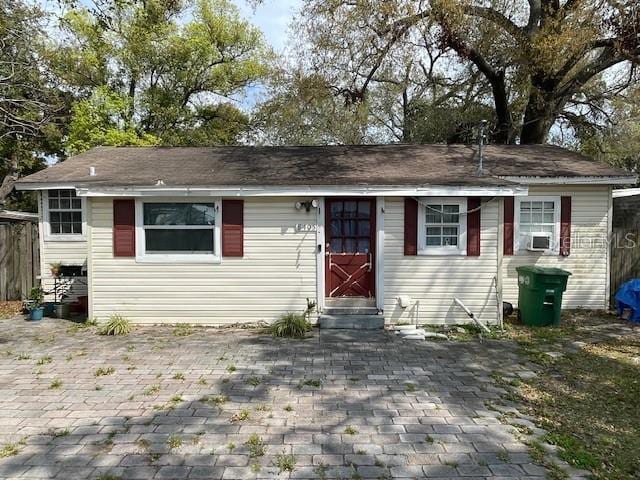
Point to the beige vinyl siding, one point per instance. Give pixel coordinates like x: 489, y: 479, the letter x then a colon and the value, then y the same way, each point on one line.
x: 276, y: 274
x: 432, y: 282
x: 587, y: 286
x: 67, y: 252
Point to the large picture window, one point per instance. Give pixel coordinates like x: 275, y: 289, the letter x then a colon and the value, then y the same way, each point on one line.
x: 179, y: 231
x: 442, y: 226
x: 64, y: 215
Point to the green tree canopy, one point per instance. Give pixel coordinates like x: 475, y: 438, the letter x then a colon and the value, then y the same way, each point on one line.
x: 32, y: 106
x: 538, y: 58
x: 156, y: 72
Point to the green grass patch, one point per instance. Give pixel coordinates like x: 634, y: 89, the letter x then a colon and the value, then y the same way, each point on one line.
x: 589, y: 402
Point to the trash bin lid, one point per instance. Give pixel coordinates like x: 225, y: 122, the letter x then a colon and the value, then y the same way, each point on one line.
x: 536, y: 270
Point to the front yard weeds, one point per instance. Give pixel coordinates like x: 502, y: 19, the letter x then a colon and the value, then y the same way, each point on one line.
x: 174, y: 442
x: 285, y: 463
x: 588, y: 401
x: 290, y: 325
x: 256, y: 446
x: 117, y: 325
x: 101, y: 372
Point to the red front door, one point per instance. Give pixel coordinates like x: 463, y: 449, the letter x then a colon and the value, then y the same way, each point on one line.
x: 350, y: 226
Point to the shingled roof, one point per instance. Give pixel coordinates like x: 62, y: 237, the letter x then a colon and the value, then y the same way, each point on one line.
x: 379, y: 165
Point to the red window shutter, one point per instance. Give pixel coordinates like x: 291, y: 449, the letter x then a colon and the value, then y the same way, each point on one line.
x: 473, y: 226
x: 124, y: 228
x: 565, y: 226
x: 232, y: 228
x: 410, y: 226
x: 508, y: 226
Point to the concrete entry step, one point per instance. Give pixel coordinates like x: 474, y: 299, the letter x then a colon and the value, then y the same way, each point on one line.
x: 352, y: 322
x: 350, y: 306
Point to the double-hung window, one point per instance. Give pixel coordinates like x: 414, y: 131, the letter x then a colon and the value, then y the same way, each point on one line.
x: 63, y: 215
x: 442, y: 228
x: 178, y: 231
x: 538, y: 224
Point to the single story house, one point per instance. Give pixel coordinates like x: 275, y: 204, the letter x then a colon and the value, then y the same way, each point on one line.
x: 226, y: 235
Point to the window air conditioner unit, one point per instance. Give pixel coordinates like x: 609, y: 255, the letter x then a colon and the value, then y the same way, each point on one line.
x: 539, y: 242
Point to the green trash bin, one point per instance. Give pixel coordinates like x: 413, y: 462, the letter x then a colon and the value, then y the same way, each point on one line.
x: 540, y: 292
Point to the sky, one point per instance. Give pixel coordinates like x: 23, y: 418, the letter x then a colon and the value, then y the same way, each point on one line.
x: 272, y: 17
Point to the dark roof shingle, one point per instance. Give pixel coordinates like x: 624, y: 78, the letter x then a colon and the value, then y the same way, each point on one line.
x: 318, y: 165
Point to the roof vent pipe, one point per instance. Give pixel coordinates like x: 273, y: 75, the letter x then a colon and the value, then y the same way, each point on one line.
x: 483, y: 125
x: 92, y: 171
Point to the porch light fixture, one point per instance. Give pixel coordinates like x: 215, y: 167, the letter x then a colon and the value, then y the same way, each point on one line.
x: 307, y: 205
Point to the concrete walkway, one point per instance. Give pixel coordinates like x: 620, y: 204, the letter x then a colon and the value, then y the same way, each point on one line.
x: 238, y: 404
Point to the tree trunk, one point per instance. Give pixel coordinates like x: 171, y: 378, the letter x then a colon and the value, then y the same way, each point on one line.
x: 504, y: 124
x: 538, y: 118
x: 12, y: 175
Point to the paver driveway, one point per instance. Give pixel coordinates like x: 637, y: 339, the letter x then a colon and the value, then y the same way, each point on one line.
x: 168, y: 405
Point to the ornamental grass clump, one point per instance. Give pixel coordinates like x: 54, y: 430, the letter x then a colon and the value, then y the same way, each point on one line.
x: 117, y: 325
x: 291, y: 325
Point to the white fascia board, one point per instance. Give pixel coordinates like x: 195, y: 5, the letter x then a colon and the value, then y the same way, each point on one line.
x: 382, y: 191
x: 44, y: 186
x: 625, y: 192
x: 618, y: 180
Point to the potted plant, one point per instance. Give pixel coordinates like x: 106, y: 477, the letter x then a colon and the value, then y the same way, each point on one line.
x: 62, y: 310
x: 36, y: 296
x: 56, y: 269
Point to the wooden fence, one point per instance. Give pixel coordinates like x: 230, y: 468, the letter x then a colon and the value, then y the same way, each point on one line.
x: 625, y: 257
x: 19, y: 259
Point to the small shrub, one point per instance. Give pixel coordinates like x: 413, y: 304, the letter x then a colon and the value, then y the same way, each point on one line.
x: 290, y: 325
x: 58, y: 433
x: 24, y: 356
x: 202, y: 381
x: 182, y: 330
x: 152, y: 390
x: 288, y: 408
x: 241, y: 416
x: 285, y: 463
x: 350, y: 430
x: 231, y: 368
x: 44, y: 360
x: 216, y: 400
x: 57, y: 383
x: 9, y: 450
x: 174, y: 442
x: 254, y: 381
x: 101, y: 372
x: 256, y: 446
x: 178, y: 376
x: 117, y: 325
x: 309, y: 383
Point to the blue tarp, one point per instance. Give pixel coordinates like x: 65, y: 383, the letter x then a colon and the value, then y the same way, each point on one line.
x: 628, y: 296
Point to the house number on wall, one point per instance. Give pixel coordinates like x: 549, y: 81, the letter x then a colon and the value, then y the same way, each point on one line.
x: 305, y: 227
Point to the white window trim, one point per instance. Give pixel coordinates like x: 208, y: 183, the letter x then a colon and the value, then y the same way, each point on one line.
x: 143, y: 257
x: 461, y: 248
x: 62, y: 237
x: 555, y: 239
